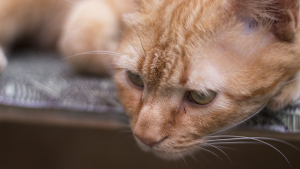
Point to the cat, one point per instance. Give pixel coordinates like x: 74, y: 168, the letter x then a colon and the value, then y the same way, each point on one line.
x: 184, y: 69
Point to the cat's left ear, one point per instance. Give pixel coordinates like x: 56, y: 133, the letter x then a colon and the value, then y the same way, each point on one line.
x: 281, y: 16
x: 136, y: 7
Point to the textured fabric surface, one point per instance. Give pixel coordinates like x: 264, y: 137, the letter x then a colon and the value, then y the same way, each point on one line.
x: 39, y: 80
x: 286, y: 120
x: 43, y: 80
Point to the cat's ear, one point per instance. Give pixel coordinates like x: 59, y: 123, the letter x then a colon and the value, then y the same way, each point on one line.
x: 136, y: 7
x: 280, y: 16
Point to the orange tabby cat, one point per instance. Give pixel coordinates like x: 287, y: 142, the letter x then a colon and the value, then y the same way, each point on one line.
x: 184, y: 68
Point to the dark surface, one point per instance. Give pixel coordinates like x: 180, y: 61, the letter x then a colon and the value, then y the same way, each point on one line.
x: 42, y: 147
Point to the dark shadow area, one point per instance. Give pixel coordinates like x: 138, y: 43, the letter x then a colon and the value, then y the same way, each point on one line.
x: 44, y: 147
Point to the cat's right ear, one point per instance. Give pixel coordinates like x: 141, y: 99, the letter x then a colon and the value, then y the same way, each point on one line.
x: 281, y: 17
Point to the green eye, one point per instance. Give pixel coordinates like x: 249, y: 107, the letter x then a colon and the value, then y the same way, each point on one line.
x: 201, y: 98
x: 135, y: 79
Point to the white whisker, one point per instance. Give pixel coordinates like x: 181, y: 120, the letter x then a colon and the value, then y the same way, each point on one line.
x: 116, y: 27
x: 261, y: 138
x: 240, y: 121
x: 210, y: 152
x: 229, y: 139
x: 291, y: 80
x: 137, y: 35
x: 191, y: 154
x: 94, y: 53
x: 258, y: 140
x: 219, y: 150
x: 277, y: 140
x: 241, y: 142
x: 183, y: 159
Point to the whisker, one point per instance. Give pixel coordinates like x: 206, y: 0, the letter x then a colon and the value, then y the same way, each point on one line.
x: 116, y: 28
x: 291, y: 80
x: 261, y: 138
x: 276, y: 150
x: 191, y: 154
x: 277, y: 140
x: 228, y: 148
x: 240, y: 121
x: 244, y: 142
x: 268, y: 144
x: 229, y: 139
x: 210, y: 152
x: 182, y: 159
x: 129, y: 42
x: 95, y: 52
x: 220, y: 150
x: 137, y: 35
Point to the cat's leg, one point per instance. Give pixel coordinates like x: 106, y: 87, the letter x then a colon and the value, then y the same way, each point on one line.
x: 91, y: 28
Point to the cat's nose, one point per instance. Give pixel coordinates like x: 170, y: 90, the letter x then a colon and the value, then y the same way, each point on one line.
x: 149, y: 140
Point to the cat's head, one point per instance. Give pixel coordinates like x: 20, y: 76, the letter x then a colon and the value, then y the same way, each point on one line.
x: 192, y: 67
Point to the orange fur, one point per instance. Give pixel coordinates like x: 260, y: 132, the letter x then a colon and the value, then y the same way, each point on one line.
x: 247, y: 51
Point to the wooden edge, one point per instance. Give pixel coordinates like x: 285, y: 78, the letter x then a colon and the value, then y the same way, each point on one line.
x: 106, y: 120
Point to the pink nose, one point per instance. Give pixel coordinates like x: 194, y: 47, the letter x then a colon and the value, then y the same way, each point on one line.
x: 150, y: 140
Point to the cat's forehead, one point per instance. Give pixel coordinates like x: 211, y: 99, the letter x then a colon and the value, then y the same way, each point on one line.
x: 171, y: 35
x: 179, y: 69
x: 179, y: 42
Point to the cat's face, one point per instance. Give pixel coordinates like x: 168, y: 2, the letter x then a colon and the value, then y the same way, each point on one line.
x: 191, y: 68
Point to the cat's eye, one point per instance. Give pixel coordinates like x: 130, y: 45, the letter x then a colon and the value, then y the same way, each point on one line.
x: 135, y: 79
x: 201, y: 98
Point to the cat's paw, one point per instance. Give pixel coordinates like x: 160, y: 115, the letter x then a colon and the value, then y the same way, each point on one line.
x: 89, y: 38
x: 3, y: 61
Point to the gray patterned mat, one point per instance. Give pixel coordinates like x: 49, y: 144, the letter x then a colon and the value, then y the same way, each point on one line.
x: 43, y: 80
x: 39, y: 80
